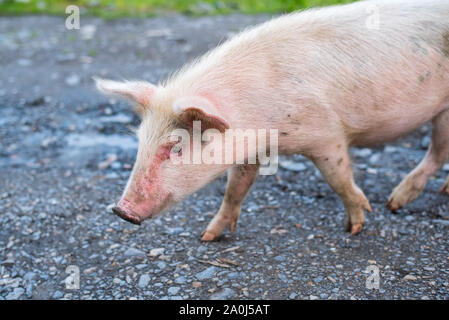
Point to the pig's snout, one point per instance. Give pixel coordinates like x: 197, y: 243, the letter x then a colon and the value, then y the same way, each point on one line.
x: 127, y: 215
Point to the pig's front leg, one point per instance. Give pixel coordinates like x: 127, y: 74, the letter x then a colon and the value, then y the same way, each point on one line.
x: 335, y: 166
x: 240, y: 179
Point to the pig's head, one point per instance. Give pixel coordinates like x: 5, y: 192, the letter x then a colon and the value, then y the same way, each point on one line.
x: 156, y: 182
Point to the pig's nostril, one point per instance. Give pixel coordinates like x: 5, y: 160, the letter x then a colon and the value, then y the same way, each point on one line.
x: 126, y: 216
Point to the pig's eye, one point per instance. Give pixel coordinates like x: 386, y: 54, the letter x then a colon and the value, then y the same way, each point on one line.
x: 177, y: 149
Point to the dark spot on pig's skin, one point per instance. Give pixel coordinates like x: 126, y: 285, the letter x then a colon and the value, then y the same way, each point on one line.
x: 423, y: 78
x: 446, y: 44
x: 288, y: 115
x: 284, y: 134
x: 339, y: 146
x: 340, y: 161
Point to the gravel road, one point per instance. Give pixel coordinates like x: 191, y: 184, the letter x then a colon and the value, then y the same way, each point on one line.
x: 66, y: 153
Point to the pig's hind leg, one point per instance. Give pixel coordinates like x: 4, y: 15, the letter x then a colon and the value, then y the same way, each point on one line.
x: 436, y: 156
x: 335, y: 166
x: 240, y: 179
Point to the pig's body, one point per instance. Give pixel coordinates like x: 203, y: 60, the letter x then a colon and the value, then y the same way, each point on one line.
x: 327, y: 81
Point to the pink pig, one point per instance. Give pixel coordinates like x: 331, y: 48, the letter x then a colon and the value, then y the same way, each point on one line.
x: 328, y: 79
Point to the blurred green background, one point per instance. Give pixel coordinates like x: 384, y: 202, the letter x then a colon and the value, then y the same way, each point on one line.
x: 146, y: 8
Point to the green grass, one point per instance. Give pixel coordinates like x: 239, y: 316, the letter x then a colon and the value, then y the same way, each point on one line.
x: 146, y: 8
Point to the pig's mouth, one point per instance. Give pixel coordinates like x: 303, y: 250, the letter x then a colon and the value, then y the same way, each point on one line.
x: 128, y: 216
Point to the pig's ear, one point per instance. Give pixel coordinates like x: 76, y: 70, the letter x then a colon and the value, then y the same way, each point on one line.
x: 139, y: 92
x: 199, y: 109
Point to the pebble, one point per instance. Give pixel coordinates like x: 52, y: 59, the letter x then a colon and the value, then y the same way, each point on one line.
x: 24, y: 62
x: 173, y: 290
x: 156, y: 252
x: 223, y: 294
x: 207, y: 274
x: 425, y: 142
x: 292, y: 166
x: 365, y: 152
x: 58, y: 295
x: 410, y: 277
x: 161, y: 265
x: 72, y: 80
x: 15, y: 294
x: 29, y: 276
x: 144, y: 280
x: 88, y: 31
x: 132, y: 252
x: 181, y: 280
x: 441, y: 221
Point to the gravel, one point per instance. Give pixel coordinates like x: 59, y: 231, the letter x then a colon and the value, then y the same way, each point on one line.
x: 206, y: 274
x: 66, y: 153
x: 144, y: 281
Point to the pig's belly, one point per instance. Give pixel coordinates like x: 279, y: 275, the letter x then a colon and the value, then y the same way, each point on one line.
x: 389, y: 129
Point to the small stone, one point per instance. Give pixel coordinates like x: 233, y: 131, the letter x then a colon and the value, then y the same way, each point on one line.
x: 224, y: 294
x: 425, y: 142
x: 72, y: 80
x: 365, y: 152
x: 410, y: 277
x: 24, y: 62
x: 374, y: 159
x: 29, y: 276
x: 8, y: 263
x: 206, y: 274
x: 132, y: 252
x: 156, y: 252
x: 17, y: 292
x: 441, y: 221
x: 292, y: 166
x: 90, y: 270
x: 312, y: 297
x: 173, y: 290
x: 144, y: 280
x: 196, y: 284
x: 58, y: 295
x: 161, y: 265
x: 180, y: 280
x: 390, y: 149
x: 282, y: 277
x: 88, y: 31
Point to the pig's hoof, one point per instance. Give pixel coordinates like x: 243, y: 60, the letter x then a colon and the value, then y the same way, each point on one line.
x: 393, y: 205
x: 208, y: 236
x: 445, y: 188
x: 355, y: 228
x: 396, y: 201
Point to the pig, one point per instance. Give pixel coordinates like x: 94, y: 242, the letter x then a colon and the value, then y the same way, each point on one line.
x: 329, y: 79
